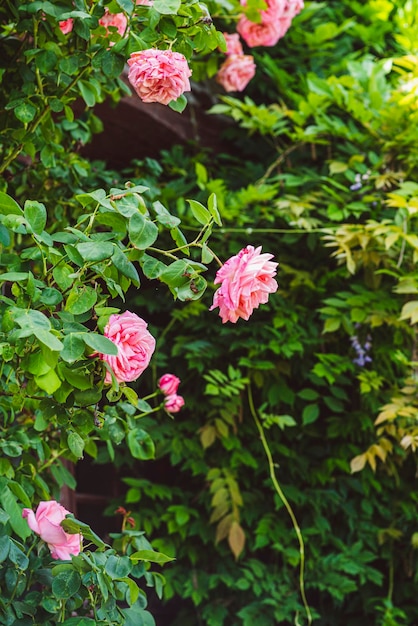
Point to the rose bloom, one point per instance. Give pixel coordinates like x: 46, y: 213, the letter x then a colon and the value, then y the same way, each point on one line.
x: 66, y: 26
x: 147, y: 3
x: 265, y: 33
x: 173, y: 403
x: 159, y: 75
x: 246, y: 281
x: 135, y: 345
x: 233, y: 44
x: 117, y: 20
x: 236, y: 72
x: 46, y: 522
x: 169, y: 384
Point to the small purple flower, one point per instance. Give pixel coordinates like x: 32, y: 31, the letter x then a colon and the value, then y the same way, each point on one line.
x: 362, y: 356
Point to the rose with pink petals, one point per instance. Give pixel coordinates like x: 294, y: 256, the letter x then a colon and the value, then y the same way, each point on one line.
x: 66, y: 26
x: 115, y: 20
x: 233, y: 44
x: 236, y: 72
x: 46, y: 523
x: 159, y: 75
x: 264, y: 33
x: 169, y: 384
x: 246, y: 281
x: 173, y: 403
x: 135, y: 346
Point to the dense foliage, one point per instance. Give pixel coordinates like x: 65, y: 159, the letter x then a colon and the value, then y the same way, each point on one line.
x: 325, y: 140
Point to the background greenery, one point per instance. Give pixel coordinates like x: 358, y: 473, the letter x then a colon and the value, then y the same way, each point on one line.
x: 321, y: 171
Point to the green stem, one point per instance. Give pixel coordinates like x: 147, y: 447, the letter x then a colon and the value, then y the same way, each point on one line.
x: 285, y: 501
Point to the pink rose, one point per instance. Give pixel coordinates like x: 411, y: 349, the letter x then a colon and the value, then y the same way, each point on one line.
x: 173, y: 403
x: 246, y: 282
x: 117, y: 20
x: 236, y: 72
x: 66, y: 26
x: 135, y: 346
x: 233, y: 44
x: 159, y: 75
x: 147, y: 3
x: 46, y: 522
x: 265, y: 33
x: 169, y: 384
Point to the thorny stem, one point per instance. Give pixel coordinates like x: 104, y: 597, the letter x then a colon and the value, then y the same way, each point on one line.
x: 286, y: 503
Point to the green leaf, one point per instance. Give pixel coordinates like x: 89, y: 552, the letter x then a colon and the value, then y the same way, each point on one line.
x: 49, y: 340
x: 8, y: 206
x: 25, y: 112
x: 112, y: 64
x: 35, y: 216
x: 140, y: 444
x: 80, y: 299
x: 142, y: 232
x: 180, y: 104
x: 95, y: 250
x: 118, y: 567
x: 5, y: 543
x: 99, y: 343
x: 167, y: 7
x: 48, y: 382
x: 87, y: 92
x: 213, y: 209
x: 14, y: 276
x: 310, y: 414
x: 74, y: 347
x: 66, y: 584
x: 13, y: 510
x: 200, y: 213
x: 31, y: 321
x: 124, y: 266
x: 151, y: 557
x: 73, y: 526
x: 75, y: 444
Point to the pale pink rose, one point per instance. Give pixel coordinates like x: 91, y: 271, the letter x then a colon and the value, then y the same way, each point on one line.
x: 66, y: 26
x: 173, y: 403
x: 265, y: 33
x: 246, y: 282
x: 117, y: 20
x: 159, y: 75
x: 135, y: 346
x: 147, y: 3
x: 236, y: 72
x: 169, y: 384
x: 233, y: 44
x: 46, y: 522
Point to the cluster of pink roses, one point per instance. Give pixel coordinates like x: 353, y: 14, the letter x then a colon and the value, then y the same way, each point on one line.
x: 273, y: 25
x: 238, y: 69
x: 108, y: 20
x: 169, y: 384
x: 135, y: 346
